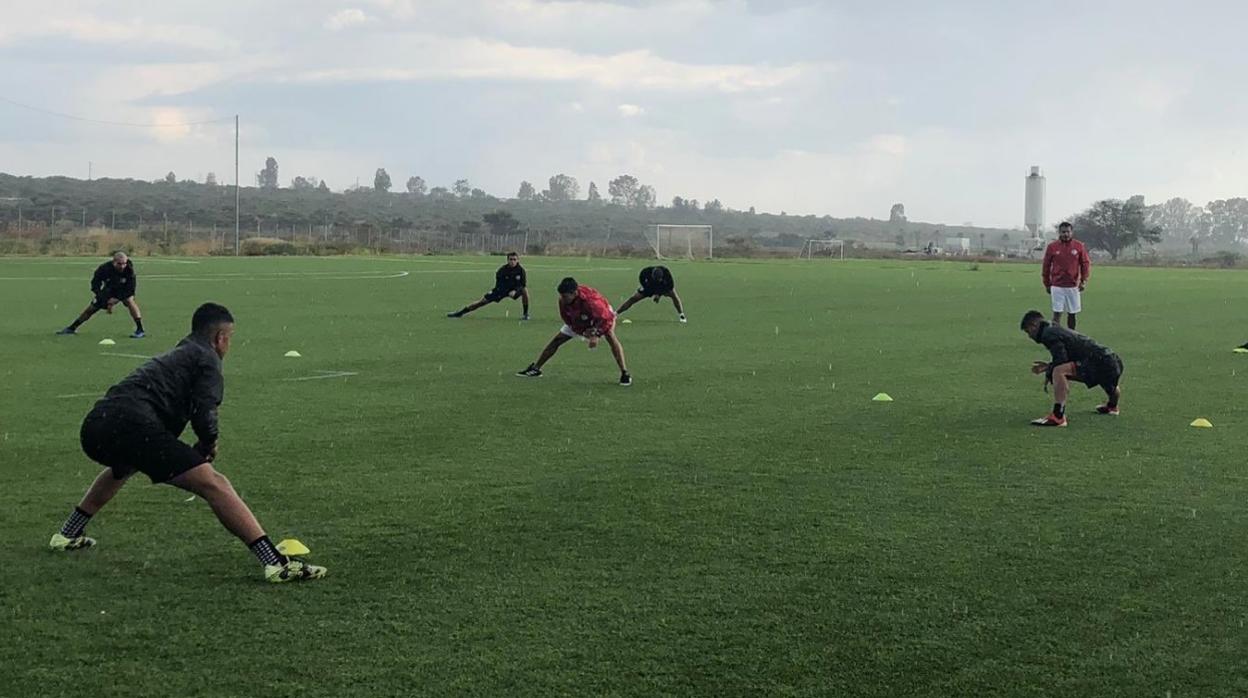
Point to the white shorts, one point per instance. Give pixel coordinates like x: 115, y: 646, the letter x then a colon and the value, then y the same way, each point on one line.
x: 1066, y: 300
x: 567, y: 331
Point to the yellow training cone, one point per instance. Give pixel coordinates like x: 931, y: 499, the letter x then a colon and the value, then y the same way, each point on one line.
x: 1202, y: 423
x: 626, y: 321
x: 292, y: 354
x: 883, y: 397
x: 1241, y: 350
x: 290, y: 546
x: 107, y: 342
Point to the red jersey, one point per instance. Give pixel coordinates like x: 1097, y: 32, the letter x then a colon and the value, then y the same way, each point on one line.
x: 1066, y: 264
x: 589, y: 313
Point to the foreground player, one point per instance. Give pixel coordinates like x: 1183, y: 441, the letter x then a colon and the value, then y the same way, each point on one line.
x: 510, y: 281
x: 1065, y: 273
x: 586, y: 314
x: 1074, y: 358
x: 135, y: 427
x: 656, y: 282
x: 113, y: 282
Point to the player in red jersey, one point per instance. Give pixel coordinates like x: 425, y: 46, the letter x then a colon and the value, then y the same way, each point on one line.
x: 585, y: 314
x: 1065, y: 272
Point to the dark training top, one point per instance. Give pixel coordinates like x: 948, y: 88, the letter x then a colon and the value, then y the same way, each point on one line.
x: 182, y: 385
x: 110, y: 283
x: 667, y: 285
x: 510, y: 278
x: 1067, y: 345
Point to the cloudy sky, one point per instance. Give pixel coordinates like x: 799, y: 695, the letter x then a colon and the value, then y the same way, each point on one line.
x: 809, y: 107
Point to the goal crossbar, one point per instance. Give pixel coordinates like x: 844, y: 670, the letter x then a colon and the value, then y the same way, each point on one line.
x: 836, y: 248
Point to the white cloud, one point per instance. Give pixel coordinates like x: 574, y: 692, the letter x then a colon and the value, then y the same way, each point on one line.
x: 887, y: 144
x: 629, y: 111
x: 344, y: 19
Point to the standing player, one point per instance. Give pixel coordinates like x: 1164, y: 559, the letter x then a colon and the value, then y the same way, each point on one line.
x: 136, y: 425
x: 656, y: 282
x: 113, y: 282
x: 1065, y: 272
x: 509, y: 282
x: 1074, y: 358
x: 586, y: 314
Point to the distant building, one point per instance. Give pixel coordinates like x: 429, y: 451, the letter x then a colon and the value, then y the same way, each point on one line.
x: 1033, y: 213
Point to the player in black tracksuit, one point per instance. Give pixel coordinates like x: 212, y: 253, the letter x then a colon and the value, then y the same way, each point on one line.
x: 1074, y: 357
x: 510, y: 281
x: 135, y: 428
x: 656, y: 282
x: 113, y: 282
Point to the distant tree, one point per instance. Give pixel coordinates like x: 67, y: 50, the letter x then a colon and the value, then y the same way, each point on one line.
x: 303, y: 183
x: 1113, y: 225
x: 623, y: 190
x: 897, y: 214
x: 171, y: 178
x: 678, y: 203
x: 381, y: 180
x: 713, y: 206
x: 527, y: 192
x: 267, y: 178
x: 1178, y: 218
x: 211, y: 179
x: 900, y: 240
x: 462, y: 188
x: 751, y: 211
x: 439, y: 192
x: 323, y: 187
x: 501, y: 222
x: 562, y: 188
x: 470, y: 227
x: 594, y: 197
x: 1228, y: 221
x: 478, y: 194
x: 693, y: 204
x: 416, y: 186
x: 645, y: 197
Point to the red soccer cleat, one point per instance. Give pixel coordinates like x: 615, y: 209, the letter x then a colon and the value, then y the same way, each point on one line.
x: 1106, y: 409
x: 1049, y: 421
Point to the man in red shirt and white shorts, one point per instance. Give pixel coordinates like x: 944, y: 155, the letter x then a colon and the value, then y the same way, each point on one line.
x: 585, y: 314
x: 1065, y: 271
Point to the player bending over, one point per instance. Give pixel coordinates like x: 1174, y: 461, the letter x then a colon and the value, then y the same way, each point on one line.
x: 136, y: 425
x: 585, y: 314
x: 509, y: 282
x: 656, y: 282
x: 113, y: 282
x: 1075, y: 357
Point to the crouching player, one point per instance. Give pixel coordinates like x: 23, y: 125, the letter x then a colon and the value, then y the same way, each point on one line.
x: 585, y: 314
x: 1075, y: 357
x: 656, y: 282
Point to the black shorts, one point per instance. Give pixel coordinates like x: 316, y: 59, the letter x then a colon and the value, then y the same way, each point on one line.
x: 126, y: 440
x: 101, y: 300
x: 645, y: 292
x: 498, y: 294
x: 1105, y: 371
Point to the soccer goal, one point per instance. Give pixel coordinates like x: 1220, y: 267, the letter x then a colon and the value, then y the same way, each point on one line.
x: 688, y: 241
x: 832, y: 249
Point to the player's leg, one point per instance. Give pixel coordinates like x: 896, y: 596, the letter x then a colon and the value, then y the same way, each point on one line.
x: 632, y: 300
x: 72, y: 534
x: 1074, y: 304
x: 1112, y: 385
x: 136, y: 315
x: 1062, y: 375
x: 551, y: 347
x: 680, y: 308
x: 234, y: 514
x: 617, y: 350
x: 524, y: 298
x: 471, y: 307
x: 91, y: 309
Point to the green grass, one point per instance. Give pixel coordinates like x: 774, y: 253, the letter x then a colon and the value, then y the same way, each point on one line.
x: 742, y: 521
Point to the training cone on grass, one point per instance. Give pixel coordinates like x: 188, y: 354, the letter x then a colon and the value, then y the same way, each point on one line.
x: 882, y: 397
x: 1241, y: 350
x: 107, y: 342
x: 1202, y: 423
x: 290, y: 546
x: 292, y: 354
x: 626, y: 321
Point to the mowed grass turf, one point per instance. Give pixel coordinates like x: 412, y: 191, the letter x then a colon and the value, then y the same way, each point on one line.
x: 743, y: 520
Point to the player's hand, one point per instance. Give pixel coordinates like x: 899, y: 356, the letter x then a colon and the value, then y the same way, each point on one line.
x: 210, y: 453
x: 1048, y: 290
x: 1038, y: 367
x: 1081, y: 287
x: 593, y: 342
x: 655, y: 299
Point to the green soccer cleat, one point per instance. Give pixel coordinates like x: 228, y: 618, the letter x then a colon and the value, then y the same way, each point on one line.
x: 295, y: 570
x: 60, y: 542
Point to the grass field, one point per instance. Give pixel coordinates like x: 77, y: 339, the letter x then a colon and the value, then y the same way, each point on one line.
x: 743, y: 520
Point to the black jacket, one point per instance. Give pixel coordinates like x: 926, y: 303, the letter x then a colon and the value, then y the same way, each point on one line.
x: 510, y: 278
x: 1067, y: 345
x: 182, y: 385
x: 646, y: 277
x: 109, y: 282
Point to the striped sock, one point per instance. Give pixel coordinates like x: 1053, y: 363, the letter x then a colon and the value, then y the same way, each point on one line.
x: 74, y: 525
x: 266, y: 552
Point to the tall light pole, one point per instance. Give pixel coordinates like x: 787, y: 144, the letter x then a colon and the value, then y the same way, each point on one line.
x: 236, y: 213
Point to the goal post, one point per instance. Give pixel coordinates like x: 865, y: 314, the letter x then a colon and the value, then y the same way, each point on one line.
x: 832, y: 249
x: 677, y: 241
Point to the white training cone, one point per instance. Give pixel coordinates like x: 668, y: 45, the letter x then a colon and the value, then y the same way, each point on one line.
x: 1202, y: 423
x: 107, y: 342
x: 292, y: 354
x: 882, y: 397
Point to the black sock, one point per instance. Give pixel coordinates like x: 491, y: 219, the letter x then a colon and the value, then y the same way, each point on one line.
x: 1059, y: 410
x: 266, y: 552
x: 526, y: 310
x: 1070, y: 321
x: 75, y: 324
x: 74, y: 525
x: 1113, y: 401
x: 138, y: 324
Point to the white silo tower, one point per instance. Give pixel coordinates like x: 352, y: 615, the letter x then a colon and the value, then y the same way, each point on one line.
x: 1033, y: 215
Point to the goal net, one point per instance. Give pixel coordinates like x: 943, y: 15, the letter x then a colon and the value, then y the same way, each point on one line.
x: 676, y: 241
x: 828, y: 249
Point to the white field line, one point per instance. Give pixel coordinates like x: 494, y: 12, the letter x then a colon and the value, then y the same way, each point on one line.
x: 66, y: 397
x: 128, y: 356
x: 325, y: 374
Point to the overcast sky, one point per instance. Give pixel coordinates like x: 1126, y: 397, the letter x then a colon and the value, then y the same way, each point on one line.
x: 841, y: 108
